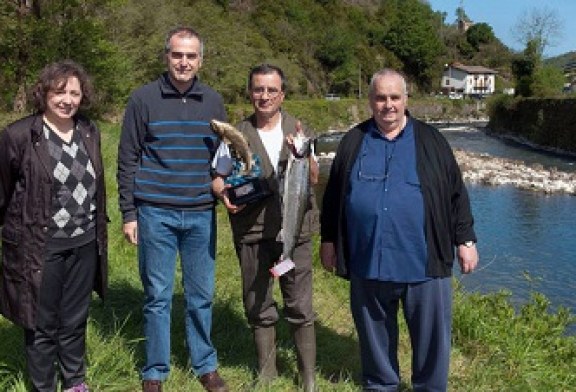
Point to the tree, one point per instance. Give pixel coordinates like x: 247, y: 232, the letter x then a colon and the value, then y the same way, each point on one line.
x: 34, y: 33
x: 334, y: 50
x: 541, y: 26
x: 413, y: 39
x: 524, y: 68
x: 14, y: 50
x: 461, y: 15
x: 548, y: 81
x: 480, y: 33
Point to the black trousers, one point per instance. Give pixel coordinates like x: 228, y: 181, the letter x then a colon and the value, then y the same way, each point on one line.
x: 59, y: 339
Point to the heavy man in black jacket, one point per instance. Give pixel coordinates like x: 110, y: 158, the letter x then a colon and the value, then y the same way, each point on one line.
x: 394, y: 209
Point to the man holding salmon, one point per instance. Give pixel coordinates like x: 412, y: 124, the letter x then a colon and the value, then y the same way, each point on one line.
x: 262, y: 233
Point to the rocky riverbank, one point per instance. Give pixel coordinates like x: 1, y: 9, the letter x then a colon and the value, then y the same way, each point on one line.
x: 488, y: 170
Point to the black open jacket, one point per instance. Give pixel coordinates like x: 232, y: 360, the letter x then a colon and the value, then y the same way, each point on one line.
x: 448, y: 217
x: 25, y: 210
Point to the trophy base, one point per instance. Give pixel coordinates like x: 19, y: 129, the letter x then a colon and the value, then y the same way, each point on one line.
x: 249, y: 192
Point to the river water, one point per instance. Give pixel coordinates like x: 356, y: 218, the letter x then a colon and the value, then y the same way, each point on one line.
x: 526, y: 240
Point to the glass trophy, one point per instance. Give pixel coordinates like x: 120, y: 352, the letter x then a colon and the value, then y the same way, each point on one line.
x: 248, y: 187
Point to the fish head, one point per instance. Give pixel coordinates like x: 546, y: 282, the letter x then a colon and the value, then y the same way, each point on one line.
x: 221, y: 129
x: 238, y: 144
x: 301, y: 145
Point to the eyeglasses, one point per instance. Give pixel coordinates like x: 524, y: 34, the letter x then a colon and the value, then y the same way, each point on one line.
x: 259, y: 92
x: 182, y: 55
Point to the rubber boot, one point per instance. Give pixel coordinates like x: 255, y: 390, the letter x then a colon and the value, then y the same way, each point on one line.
x: 305, y: 342
x: 265, y: 341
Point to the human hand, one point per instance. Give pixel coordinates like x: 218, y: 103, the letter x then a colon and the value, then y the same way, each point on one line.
x: 130, y: 230
x: 295, y: 145
x: 220, y: 190
x: 295, y: 141
x: 314, y: 170
x: 232, y: 208
x: 328, y: 256
x: 467, y: 258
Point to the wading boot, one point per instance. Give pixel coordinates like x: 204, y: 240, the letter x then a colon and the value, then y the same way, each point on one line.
x: 305, y: 342
x: 265, y: 340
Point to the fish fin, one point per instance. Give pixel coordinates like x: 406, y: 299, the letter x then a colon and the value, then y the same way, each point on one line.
x: 280, y: 236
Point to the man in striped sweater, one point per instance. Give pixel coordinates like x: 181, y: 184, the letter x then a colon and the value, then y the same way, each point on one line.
x: 167, y: 206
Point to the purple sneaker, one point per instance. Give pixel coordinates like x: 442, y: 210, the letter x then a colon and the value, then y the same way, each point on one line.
x: 78, y: 388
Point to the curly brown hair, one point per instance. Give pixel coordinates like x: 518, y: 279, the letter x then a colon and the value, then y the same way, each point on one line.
x: 54, y: 76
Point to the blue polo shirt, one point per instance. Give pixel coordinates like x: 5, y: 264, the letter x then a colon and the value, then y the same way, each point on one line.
x: 385, y: 210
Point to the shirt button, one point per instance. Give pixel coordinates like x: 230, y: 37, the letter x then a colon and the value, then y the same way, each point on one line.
x: 45, y: 229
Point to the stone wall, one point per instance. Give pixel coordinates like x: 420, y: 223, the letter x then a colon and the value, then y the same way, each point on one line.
x: 545, y: 123
x: 447, y: 110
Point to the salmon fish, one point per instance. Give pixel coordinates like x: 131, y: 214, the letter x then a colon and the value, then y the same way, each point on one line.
x: 295, y: 197
x: 236, y: 141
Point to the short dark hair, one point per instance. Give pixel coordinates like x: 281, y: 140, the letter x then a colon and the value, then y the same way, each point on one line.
x: 54, y: 76
x: 265, y: 69
x: 183, y: 31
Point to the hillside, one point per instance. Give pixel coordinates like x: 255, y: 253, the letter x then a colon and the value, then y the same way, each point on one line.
x: 325, y: 46
x: 562, y: 60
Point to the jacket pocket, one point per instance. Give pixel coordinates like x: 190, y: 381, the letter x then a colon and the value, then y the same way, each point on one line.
x: 12, y: 268
x: 10, y: 236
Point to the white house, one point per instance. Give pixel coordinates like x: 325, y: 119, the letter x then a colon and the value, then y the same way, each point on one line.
x: 570, y: 74
x: 468, y: 79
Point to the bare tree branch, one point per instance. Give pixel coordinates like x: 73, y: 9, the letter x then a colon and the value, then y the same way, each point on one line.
x: 541, y: 25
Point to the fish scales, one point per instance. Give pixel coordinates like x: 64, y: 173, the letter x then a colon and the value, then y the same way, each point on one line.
x: 236, y: 140
x: 295, y: 200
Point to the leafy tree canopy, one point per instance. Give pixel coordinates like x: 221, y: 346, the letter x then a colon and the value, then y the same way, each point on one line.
x: 480, y: 34
x: 323, y: 45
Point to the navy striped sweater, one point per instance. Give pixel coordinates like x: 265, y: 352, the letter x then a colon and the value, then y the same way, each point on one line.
x: 166, y: 147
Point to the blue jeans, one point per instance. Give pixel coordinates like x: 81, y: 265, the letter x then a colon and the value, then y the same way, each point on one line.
x: 162, y: 234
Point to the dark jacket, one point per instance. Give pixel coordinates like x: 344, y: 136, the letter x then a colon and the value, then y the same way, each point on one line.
x: 25, y: 210
x: 448, y: 218
x: 263, y: 219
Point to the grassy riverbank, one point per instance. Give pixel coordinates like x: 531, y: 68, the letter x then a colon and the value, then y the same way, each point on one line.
x: 496, y: 348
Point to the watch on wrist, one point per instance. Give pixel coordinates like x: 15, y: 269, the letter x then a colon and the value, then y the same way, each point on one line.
x: 469, y: 244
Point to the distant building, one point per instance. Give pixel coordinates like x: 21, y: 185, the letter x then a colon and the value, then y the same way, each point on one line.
x: 469, y: 80
x: 464, y: 25
x: 570, y: 72
x: 570, y: 67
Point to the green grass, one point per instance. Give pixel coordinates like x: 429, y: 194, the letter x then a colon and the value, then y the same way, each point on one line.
x: 496, y: 347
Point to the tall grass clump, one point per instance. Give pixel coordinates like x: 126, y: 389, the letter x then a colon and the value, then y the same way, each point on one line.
x: 516, y: 348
